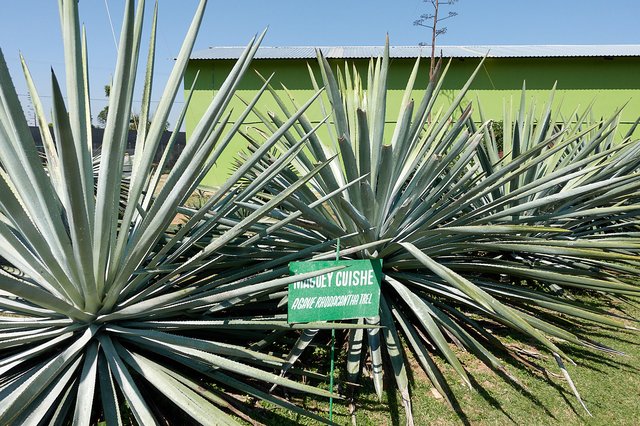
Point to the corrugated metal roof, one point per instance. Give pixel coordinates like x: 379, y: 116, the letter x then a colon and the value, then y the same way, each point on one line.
x: 355, y: 52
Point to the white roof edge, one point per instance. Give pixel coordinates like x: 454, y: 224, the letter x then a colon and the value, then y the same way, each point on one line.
x: 492, y: 51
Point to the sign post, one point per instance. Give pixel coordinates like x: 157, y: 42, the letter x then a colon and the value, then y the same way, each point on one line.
x: 349, y: 293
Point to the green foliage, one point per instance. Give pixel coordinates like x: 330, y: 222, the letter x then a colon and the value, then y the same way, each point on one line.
x: 104, y: 112
x: 469, y: 237
x: 134, y: 121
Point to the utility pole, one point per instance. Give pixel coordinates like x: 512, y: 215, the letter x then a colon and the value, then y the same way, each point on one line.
x: 432, y: 21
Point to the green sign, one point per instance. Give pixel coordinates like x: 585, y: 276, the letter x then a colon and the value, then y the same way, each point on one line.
x: 352, y: 292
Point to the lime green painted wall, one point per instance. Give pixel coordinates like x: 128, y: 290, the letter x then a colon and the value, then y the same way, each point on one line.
x: 610, y: 82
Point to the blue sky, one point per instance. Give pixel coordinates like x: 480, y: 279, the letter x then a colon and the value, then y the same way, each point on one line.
x: 32, y: 27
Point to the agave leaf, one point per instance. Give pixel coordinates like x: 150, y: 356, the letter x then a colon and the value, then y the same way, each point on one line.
x: 552, y: 276
x: 157, y: 126
x: 21, y: 257
x: 301, y: 344
x: 401, y: 137
x: 333, y: 92
x: 86, y: 386
x: 203, y: 345
x: 552, y: 330
x: 492, y: 229
x: 378, y: 105
x: 47, y: 141
x: 109, y: 399
x: 163, y: 110
x: 275, y: 323
x: 571, y: 194
x: 428, y: 365
x: 143, y: 118
x: 425, y: 318
x: 15, y: 400
x: 351, y: 168
x: 51, y: 274
x: 304, y: 209
x: 23, y: 166
x: 42, y: 405
x: 254, y: 216
x: 135, y: 400
x: 40, y: 297
x: 16, y: 359
x: 541, y: 248
x: 192, y: 403
x: 75, y: 196
x: 64, y: 405
x: 565, y: 373
x: 77, y: 96
x: 354, y: 356
x: 558, y: 305
x: 216, y: 398
x: 320, y: 151
x: 20, y: 308
x: 235, y: 366
x: 116, y: 128
x: 471, y: 343
x: 392, y: 340
x: 267, y: 397
x: 482, y: 298
x: 145, y: 244
x: 376, y: 354
x: 356, y: 249
x: 154, y: 181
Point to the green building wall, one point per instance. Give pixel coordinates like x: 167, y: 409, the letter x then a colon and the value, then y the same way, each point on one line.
x: 609, y: 82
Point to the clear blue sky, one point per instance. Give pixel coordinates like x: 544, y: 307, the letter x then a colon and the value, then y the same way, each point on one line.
x: 32, y: 27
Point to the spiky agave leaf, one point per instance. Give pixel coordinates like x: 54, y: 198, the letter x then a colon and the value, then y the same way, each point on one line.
x: 105, y: 313
x: 462, y: 231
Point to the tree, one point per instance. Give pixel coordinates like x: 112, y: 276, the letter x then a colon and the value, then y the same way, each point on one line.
x: 133, y: 121
x: 431, y: 21
x: 102, y: 115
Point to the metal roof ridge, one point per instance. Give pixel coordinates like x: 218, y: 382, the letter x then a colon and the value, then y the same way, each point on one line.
x: 454, y: 51
x: 425, y: 46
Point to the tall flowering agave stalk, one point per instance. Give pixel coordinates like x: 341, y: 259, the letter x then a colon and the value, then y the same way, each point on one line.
x: 470, y: 239
x: 107, y: 312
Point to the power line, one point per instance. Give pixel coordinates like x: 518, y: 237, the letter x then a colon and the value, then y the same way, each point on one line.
x: 113, y: 33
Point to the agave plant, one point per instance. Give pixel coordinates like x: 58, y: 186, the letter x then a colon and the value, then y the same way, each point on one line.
x: 107, y: 312
x: 469, y: 239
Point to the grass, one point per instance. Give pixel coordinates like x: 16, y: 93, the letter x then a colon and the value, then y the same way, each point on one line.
x: 609, y: 385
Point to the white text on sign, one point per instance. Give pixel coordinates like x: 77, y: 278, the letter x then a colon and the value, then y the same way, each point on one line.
x: 342, y: 279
